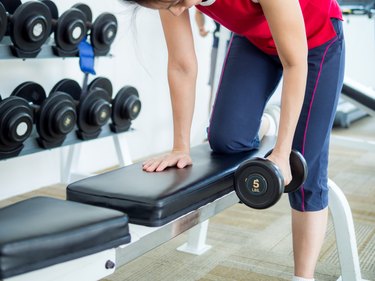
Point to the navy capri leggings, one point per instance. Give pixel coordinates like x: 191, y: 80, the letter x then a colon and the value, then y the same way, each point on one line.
x: 248, y: 80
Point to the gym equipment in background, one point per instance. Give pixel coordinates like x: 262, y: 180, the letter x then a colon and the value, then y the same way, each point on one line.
x: 126, y: 107
x: 55, y: 116
x: 102, y: 31
x: 357, y: 7
x: 259, y: 183
x: 347, y: 113
x: 3, y: 21
x: 69, y: 29
x: 93, y: 107
x: 356, y: 101
x: 16, y: 124
x: 29, y: 26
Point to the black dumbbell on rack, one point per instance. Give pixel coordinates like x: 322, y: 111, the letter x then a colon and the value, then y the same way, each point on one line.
x: 102, y: 31
x: 259, y: 183
x: 3, y: 21
x: 69, y: 29
x: 29, y: 26
x: 16, y: 124
x: 93, y: 107
x: 55, y: 116
x: 126, y: 105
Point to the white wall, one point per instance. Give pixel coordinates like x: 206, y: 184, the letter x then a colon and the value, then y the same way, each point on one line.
x: 139, y: 59
x: 359, y: 33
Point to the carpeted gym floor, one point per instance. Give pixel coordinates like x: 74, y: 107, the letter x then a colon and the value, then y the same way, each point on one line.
x: 256, y: 245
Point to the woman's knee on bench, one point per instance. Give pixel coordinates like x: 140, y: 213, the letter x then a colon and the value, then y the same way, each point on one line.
x: 224, y: 141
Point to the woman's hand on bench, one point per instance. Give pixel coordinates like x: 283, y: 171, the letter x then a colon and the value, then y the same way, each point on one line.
x: 177, y: 159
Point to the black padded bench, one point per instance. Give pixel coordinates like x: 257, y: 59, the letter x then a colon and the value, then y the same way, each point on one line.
x: 41, y: 231
x: 154, y: 199
x: 44, y: 238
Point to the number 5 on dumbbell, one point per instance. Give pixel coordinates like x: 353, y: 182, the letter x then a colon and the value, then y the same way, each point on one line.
x: 259, y: 183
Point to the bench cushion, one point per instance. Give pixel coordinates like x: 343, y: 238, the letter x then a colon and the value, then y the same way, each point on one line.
x: 153, y: 199
x: 42, y: 231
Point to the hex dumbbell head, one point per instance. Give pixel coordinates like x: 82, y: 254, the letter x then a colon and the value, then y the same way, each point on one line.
x: 16, y: 122
x: 30, y: 26
x: 126, y: 107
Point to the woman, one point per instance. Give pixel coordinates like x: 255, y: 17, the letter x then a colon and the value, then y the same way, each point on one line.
x: 299, y: 40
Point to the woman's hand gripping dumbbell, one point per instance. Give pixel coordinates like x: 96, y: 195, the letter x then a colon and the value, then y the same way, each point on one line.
x: 259, y: 183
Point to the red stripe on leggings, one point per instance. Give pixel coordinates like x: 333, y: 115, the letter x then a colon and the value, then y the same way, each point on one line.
x: 309, y: 113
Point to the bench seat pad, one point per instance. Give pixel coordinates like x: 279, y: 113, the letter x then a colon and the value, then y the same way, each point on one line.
x: 41, y: 231
x: 153, y: 199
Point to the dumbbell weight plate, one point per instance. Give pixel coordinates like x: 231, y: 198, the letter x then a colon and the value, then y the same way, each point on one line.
x: 101, y: 83
x: 52, y: 8
x: 3, y: 21
x: 94, y: 111
x: 126, y: 106
x: 103, y: 33
x: 11, y: 5
x: 85, y: 9
x: 55, y: 119
x: 30, y: 26
x: 70, y: 30
x: 31, y: 92
x: 258, y: 183
x: 16, y: 121
x: 69, y: 86
x: 298, y: 168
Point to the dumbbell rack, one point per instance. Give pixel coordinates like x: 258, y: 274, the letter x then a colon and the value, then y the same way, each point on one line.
x: 6, y: 53
x: 69, y: 164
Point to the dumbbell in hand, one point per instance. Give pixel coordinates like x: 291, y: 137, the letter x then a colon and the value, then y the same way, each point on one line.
x: 16, y: 124
x: 29, y: 26
x: 259, y: 183
x: 93, y: 107
x: 69, y: 29
x: 55, y: 116
x: 102, y: 31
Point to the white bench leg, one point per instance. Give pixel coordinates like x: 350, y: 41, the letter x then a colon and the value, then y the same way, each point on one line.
x: 345, y: 234
x: 196, y: 243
